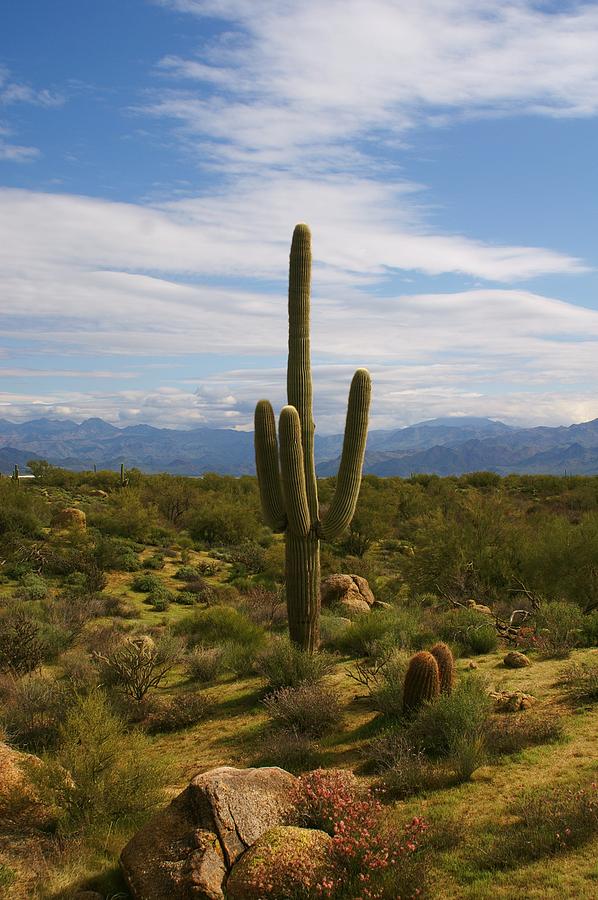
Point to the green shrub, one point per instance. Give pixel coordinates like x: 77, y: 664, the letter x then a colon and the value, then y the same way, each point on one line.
x: 580, y: 681
x: 137, y: 664
x: 239, y: 658
x: 146, y: 583
x: 332, y: 629
x: 559, y: 626
x: 512, y: 732
x: 187, y: 573
x: 473, y: 633
x: 217, y: 625
x: 441, y: 727
x: 589, y: 629
x: 392, y: 628
x: 386, y: 690
x: 205, y: 663
x: 403, y: 767
x: 101, y: 775
x: 284, y: 664
x: 175, y: 713
x: 154, y: 562
x: 310, y: 709
x: 32, y: 712
x: 185, y: 598
x: 21, y: 650
x: 289, y: 750
x: 32, y: 587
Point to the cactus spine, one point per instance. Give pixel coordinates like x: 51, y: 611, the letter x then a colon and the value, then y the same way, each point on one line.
x: 422, y: 682
x: 446, y: 666
x: 287, y: 473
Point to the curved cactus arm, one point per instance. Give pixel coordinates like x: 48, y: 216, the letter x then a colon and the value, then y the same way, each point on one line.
x: 293, y: 474
x: 266, y: 464
x: 348, y: 480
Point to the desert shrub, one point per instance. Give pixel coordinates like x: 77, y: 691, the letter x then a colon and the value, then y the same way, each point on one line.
x: 160, y: 600
x: 311, y: 709
x: 284, y: 664
x: 217, y: 625
x: 118, y: 606
x: 239, y: 658
x: 403, y: 767
x: 332, y: 629
x: 187, y: 573
x: 33, y: 710
x: 470, y: 630
x: 443, y: 727
x: 559, y: 629
x: 136, y: 665
x: 549, y: 820
x: 289, y: 749
x: 115, y: 554
x: 100, y: 775
x: 580, y: 681
x: 174, y: 713
x: 205, y: 663
x: 146, y: 583
x: 264, y: 606
x: 32, y: 587
x: 156, y: 561
x: 78, y: 670
x: 368, y: 859
x: 391, y: 628
x: 386, y: 690
x: 185, y: 598
x: 248, y: 558
x: 21, y: 649
x: 589, y: 629
x: 512, y: 732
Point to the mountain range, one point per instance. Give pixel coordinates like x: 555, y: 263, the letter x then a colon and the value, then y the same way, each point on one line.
x: 444, y: 446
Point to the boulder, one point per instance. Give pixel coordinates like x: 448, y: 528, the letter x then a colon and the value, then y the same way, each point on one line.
x: 479, y: 607
x: 511, y: 701
x: 68, y: 518
x: 381, y: 604
x: 185, y: 850
x: 516, y: 660
x: 350, y: 594
x: 287, y: 859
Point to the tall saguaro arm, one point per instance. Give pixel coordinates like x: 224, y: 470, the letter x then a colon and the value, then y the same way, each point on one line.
x: 348, y: 481
x: 266, y: 463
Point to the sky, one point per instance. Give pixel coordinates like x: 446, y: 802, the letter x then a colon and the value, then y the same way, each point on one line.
x: 155, y: 156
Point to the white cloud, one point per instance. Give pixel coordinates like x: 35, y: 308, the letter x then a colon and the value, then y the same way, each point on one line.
x: 287, y: 82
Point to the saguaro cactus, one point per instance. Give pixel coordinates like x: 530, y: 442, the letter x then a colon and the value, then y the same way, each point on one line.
x: 287, y: 479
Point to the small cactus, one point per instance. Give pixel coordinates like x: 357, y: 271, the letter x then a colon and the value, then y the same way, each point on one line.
x: 422, y: 681
x: 446, y: 666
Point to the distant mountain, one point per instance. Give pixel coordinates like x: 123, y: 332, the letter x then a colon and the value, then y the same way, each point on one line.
x: 443, y: 446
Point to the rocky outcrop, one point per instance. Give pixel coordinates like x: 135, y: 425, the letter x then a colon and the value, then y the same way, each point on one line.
x: 349, y: 594
x: 288, y: 859
x: 186, y: 850
x: 511, y: 701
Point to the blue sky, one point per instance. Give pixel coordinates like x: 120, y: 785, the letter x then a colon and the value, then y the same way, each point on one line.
x: 155, y: 156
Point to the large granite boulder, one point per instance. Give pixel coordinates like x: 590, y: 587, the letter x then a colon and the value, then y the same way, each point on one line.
x: 516, y: 660
x: 287, y: 859
x: 349, y: 594
x: 186, y: 850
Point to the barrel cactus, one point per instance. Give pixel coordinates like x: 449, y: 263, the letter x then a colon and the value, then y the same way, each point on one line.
x: 422, y: 682
x: 446, y: 666
x: 287, y: 474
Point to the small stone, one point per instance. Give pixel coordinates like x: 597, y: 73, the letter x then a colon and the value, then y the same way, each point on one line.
x: 472, y: 664
x: 516, y: 660
x: 511, y: 701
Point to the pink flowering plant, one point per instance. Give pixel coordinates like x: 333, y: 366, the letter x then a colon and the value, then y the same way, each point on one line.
x: 369, y: 860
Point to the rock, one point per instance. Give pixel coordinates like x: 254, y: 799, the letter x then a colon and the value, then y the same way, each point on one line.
x: 18, y: 798
x: 351, y: 594
x: 516, y: 660
x: 381, y: 604
x: 68, y: 518
x: 286, y: 858
x: 479, y: 607
x: 97, y: 492
x: 472, y: 664
x: 511, y: 701
x: 185, y: 850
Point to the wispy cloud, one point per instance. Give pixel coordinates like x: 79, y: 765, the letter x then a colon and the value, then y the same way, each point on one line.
x: 284, y: 84
x: 13, y: 92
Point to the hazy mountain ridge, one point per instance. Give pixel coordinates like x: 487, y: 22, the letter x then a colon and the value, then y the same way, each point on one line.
x: 444, y: 446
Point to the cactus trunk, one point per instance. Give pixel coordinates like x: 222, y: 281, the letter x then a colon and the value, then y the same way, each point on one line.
x: 302, y: 578
x: 288, y: 490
